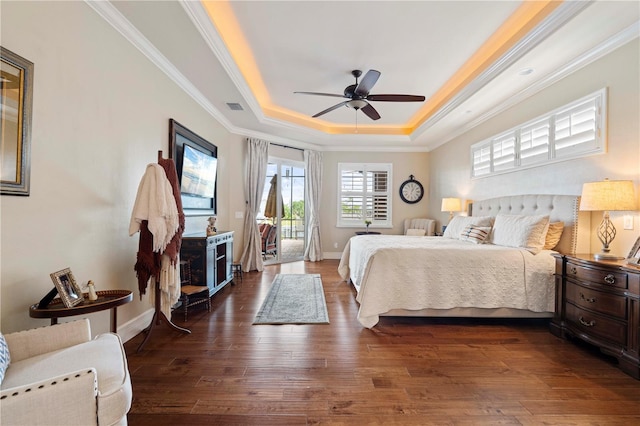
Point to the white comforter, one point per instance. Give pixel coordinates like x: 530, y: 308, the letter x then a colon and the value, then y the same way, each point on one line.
x: 413, y: 273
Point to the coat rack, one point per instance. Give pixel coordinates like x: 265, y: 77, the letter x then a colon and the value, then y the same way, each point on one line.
x: 158, y: 315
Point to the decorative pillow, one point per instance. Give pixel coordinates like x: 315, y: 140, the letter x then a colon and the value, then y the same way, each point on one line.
x: 5, y: 357
x: 416, y: 231
x: 553, y: 235
x: 475, y: 234
x: 520, y: 231
x: 458, y: 223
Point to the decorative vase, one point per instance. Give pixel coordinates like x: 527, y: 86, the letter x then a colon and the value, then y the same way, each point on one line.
x: 93, y: 296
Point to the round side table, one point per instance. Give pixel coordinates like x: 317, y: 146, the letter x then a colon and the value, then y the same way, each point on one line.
x: 107, y: 299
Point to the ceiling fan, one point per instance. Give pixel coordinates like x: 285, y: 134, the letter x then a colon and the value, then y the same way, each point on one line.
x: 358, y: 95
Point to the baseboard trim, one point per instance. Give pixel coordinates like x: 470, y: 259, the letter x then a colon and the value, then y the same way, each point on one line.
x: 332, y: 255
x: 133, y: 327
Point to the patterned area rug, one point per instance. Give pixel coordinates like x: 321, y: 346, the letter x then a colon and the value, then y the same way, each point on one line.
x: 294, y: 299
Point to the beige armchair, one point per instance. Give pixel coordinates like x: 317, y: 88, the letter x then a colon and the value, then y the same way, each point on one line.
x: 58, y: 375
x: 429, y: 226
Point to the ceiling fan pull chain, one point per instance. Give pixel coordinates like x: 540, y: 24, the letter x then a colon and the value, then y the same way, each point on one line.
x: 355, y: 111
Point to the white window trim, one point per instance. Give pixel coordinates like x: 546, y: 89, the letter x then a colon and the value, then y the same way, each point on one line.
x: 359, y: 223
x: 600, y: 143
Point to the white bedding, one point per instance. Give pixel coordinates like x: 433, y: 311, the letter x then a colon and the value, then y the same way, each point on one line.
x: 413, y: 273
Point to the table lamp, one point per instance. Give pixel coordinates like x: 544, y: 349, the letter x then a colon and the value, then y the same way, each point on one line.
x: 607, y: 195
x: 451, y: 205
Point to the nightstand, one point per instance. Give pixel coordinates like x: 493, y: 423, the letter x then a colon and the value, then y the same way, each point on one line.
x: 599, y: 302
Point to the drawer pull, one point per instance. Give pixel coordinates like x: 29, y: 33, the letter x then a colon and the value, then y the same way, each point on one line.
x: 588, y: 299
x: 587, y: 324
x: 610, y: 279
x: 574, y: 270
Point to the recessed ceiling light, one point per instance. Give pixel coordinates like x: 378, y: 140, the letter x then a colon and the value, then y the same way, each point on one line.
x: 525, y: 71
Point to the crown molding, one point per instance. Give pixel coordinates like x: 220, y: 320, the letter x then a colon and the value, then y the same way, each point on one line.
x: 560, y: 16
x: 113, y: 16
x: 200, y: 19
x: 618, y: 40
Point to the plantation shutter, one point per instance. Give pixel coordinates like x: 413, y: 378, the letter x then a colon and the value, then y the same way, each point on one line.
x: 534, y: 142
x: 352, y: 194
x: 576, y: 130
x: 364, y: 194
x: 572, y: 131
x: 481, y: 160
x: 379, y: 197
x: 504, y: 152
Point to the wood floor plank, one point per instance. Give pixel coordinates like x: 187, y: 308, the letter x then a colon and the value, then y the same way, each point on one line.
x: 404, y: 371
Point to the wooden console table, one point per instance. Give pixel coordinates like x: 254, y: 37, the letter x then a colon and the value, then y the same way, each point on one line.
x: 107, y: 299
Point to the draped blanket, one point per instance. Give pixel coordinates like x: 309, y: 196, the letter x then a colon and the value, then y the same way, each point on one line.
x: 156, y: 204
x: 412, y: 273
x: 158, y: 216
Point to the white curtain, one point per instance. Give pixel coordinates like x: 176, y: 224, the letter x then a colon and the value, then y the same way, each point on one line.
x: 313, y: 187
x: 256, y: 173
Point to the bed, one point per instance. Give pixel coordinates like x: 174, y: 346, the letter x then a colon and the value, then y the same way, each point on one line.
x: 509, y: 274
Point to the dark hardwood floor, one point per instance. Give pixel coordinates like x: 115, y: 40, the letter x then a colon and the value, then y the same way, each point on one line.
x: 403, y: 372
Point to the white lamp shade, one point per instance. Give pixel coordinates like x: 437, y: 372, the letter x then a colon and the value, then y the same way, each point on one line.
x: 451, y: 205
x: 608, y: 195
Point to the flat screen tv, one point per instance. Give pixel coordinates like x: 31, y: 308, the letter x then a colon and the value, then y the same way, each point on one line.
x: 196, y: 163
x: 198, y: 173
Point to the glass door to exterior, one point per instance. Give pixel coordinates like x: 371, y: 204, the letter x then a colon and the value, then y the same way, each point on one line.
x: 283, y: 208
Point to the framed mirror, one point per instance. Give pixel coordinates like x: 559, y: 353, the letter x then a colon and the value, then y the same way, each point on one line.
x: 16, y: 99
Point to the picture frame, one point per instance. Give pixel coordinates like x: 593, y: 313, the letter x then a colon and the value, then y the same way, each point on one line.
x: 633, y: 257
x: 68, y: 289
x: 16, y: 98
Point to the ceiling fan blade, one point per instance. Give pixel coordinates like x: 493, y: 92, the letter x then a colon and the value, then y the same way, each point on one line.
x: 371, y: 112
x: 322, y: 94
x: 396, y: 98
x: 336, y: 106
x: 367, y: 83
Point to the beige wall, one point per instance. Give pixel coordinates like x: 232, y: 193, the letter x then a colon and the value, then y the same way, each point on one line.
x: 404, y: 164
x: 100, y: 114
x: 449, y: 165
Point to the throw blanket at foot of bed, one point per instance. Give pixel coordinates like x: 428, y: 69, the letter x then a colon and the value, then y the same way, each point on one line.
x: 413, y: 273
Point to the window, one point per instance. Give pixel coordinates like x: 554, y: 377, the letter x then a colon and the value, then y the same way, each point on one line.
x: 364, y: 193
x: 572, y: 131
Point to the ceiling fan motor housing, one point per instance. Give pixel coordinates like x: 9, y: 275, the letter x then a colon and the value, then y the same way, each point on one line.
x: 350, y: 92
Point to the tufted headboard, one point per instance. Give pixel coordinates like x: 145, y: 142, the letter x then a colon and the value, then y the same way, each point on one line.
x: 563, y: 208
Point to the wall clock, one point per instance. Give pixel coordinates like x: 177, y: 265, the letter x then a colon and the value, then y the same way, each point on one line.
x: 411, y: 191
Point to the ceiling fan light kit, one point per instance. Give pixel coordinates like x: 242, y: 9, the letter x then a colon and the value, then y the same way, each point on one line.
x: 357, y: 104
x: 358, y: 95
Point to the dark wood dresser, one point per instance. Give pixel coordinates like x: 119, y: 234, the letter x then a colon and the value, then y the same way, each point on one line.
x: 599, y: 302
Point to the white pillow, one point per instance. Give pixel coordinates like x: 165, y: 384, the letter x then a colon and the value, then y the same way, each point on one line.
x: 475, y: 234
x: 528, y: 232
x: 458, y: 223
x: 416, y: 231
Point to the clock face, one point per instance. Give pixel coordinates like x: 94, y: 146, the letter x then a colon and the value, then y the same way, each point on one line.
x: 411, y: 191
